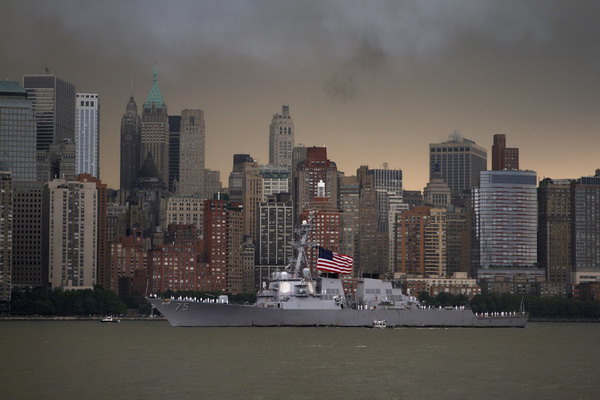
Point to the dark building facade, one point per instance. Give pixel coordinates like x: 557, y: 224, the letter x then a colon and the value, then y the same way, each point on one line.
x: 504, y: 157
x: 174, y: 140
x: 130, y: 147
x: 53, y: 107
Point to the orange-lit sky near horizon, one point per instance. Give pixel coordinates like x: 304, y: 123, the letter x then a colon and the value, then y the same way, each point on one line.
x: 374, y: 82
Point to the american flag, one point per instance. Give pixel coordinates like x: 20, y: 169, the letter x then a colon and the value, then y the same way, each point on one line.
x: 333, y: 262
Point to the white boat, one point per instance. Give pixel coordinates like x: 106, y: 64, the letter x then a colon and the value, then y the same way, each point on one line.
x: 109, y: 319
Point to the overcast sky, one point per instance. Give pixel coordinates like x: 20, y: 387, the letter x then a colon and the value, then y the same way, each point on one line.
x: 373, y: 81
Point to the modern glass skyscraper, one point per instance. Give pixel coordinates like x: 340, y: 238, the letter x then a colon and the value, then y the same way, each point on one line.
x: 17, y: 132
x: 53, y: 107
x: 281, y: 139
x: 506, y: 218
x: 459, y: 162
x: 87, y: 133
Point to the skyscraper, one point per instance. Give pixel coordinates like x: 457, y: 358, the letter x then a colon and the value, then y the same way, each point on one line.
x: 506, y: 218
x: 316, y: 167
x: 554, y: 229
x: 17, y: 132
x: 275, y: 230
x: 504, y: 157
x: 87, y: 133
x: 459, y: 161
x: 388, y: 185
x: 53, y: 108
x: 191, y: 153
x: 371, y: 252
x: 281, y: 139
x: 174, y: 147
x: 130, y: 146
x: 71, y: 233
x: 585, y: 226
x: 155, y: 130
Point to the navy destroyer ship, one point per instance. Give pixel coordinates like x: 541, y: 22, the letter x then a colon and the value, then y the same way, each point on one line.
x: 300, y: 297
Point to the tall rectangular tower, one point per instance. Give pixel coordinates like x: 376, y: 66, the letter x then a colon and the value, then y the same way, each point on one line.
x: 388, y: 185
x: 174, y: 147
x: 87, y: 133
x: 17, y: 132
x: 281, y: 139
x: 191, y: 153
x: 130, y: 147
x: 275, y: 230
x: 71, y: 233
x: 554, y: 229
x: 506, y: 219
x: 53, y: 107
x: 585, y: 226
x: 459, y: 162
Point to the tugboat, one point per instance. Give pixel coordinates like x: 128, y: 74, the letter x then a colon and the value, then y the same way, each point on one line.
x: 299, y: 297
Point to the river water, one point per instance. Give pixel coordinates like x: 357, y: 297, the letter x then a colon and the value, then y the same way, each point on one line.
x: 151, y: 360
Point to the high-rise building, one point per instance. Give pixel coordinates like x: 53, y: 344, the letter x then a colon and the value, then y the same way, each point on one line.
x: 459, y: 161
x: 281, y: 139
x: 350, y: 208
x: 554, y: 229
x: 174, y: 148
x: 87, y: 133
x: 53, y: 108
x: 371, y: 252
x: 236, y: 177
x: 6, y: 239
x: 17, y: 132
x: 215, y: 243
x: 102, y: 246
x: 585, y: 228
x: 130, y: 147
x: 316, y: 167
x: 252, y: 196
x: 28, y: 271
x: 504, y: 157
x: 388, y: 185
x: 458, y: 244
x: 155, y: 130
x: 506, y: 219
x: 420, y: 242
x: 191, y: 153
x: 70, y: 227
x: 276, y: 230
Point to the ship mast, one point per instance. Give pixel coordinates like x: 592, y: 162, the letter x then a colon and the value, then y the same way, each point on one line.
x: 297, y: 265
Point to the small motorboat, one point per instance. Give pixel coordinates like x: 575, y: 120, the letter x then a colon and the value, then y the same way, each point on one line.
x: 109, y: 319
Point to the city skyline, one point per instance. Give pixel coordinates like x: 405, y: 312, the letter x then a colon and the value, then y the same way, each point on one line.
x: 374, y: 83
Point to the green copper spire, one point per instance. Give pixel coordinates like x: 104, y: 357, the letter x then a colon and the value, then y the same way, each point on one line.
x: 154, y: 97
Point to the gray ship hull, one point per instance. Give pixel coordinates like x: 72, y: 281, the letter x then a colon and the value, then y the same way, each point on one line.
x: 192, y: 313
